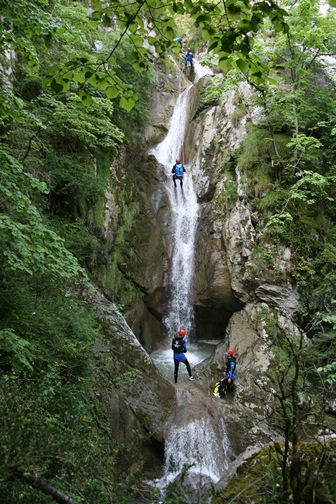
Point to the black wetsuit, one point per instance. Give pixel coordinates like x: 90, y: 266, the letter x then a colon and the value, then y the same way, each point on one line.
x: 180, y: 347
x: 178, y: 170
x: 229, y: 373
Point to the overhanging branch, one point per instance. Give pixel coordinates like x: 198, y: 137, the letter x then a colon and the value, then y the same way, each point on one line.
x: 35, y: 482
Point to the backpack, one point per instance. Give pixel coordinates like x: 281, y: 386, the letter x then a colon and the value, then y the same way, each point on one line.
x: 178, y: 345
x: 179, y: 169
x: 217, y: 387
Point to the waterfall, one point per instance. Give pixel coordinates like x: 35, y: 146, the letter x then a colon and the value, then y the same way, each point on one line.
x: 199, y: 447
x: 184, y: 214
x: 196, y: 445
x: 196, y: 440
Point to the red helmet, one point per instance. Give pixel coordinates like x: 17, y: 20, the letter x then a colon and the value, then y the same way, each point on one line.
x: 184, y: 41
x: 230, y: 351
x: 178, y: 160
x: 182, y: 332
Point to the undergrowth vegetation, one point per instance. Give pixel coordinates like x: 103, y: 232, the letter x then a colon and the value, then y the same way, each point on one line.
x: 259, y: 479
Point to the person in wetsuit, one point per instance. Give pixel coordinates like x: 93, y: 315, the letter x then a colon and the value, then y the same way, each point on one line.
x: 229, y: 376
x: 179, y: 347
x: 178, y: 170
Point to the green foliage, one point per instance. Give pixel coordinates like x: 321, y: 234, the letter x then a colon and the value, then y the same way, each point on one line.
x: 214, y: 91
x: 79, y: 240
x: 256, y: 148
x: 46, y: 334
x: 310, y: 187
x: 34, y: 311
x: 231, y: 41
x: 18, y: 32
x: 238, y: 114
x: 330, y: 371
x: 324, y: 345
x: 290, y: 164
x: 141, y: 82
x: 92, y: 125
x: 228, y: 196
x: 15, y: 352
x: 26, y: 244
x: 49, y: 428
x: 305, y: 148
x: 259, y: 481
x: 279, y: 223
x: 51, y: 422
x: 128, y: 379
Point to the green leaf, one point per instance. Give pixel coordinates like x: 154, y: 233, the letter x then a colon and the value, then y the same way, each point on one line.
x: 242, y: 65
x: 206, y: 35
x: 20, y: 356
x: 112, y: 61
x: 111, y: 92
x: 96, y: 5
x: 96, y: 15
x: 136, y: 39
x: 102, y: 84
x: 233, y: 11
x: 56, y: 86
x: 86, y: 99
x: 47, y: 81
x: 126, y: 103
x: 53, y: 69
x: 225, y: 64
x: 106, y: 20
x: 169, y: 32
x: 78, y: 77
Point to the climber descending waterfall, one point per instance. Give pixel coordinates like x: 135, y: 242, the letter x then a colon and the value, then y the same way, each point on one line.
x: 178, y: 171
x: 184, y: 212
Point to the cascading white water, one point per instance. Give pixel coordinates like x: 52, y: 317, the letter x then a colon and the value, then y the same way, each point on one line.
x: 184, y: 211
x: 184, y: 214
x: 199, y: 446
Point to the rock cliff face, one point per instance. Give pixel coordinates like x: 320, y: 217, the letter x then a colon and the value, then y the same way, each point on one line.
x: 239, y: 297
x: 237, y: 291
x: 136, y: 396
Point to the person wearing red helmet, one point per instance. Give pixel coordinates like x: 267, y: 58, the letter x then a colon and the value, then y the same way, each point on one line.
x: 178, y: 170
x: 179, y: 347
x: 229, y: 376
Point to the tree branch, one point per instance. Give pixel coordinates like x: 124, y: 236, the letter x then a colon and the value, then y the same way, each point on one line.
x: 35, y: 482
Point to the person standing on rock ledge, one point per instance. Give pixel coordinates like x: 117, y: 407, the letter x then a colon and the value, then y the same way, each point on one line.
x: 179, y: 347
x: 228, y: 379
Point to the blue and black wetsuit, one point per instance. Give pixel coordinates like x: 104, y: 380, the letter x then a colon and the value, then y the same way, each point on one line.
x: 189, y: 58
x: 229, y: 373
x: 179, y: 347
x: 178, y: 170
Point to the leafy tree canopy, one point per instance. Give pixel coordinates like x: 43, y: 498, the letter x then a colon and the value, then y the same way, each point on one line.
x: 227, y: 27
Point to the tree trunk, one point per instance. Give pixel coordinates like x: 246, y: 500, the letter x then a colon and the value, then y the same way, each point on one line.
x: 35, y: 482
